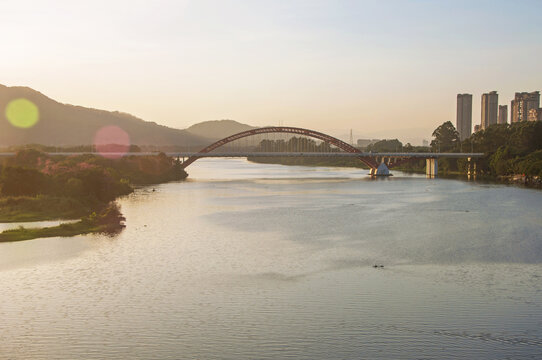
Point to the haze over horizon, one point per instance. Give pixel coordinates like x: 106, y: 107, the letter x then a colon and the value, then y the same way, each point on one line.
x: 386, y: 69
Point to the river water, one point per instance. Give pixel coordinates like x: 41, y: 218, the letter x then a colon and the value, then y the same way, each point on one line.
x: 252, y: 261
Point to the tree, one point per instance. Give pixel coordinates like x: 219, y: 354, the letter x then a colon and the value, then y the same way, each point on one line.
x: 446, y: 137
x: 392, y: 145
x: 18, y: 181
x: 501, y: 162
x: 28, y: 158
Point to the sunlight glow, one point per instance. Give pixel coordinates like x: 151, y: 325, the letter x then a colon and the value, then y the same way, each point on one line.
x: 112, y: 142
x: 22, y: 113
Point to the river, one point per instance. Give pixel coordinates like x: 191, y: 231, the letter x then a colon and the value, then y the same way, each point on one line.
x: 259, y: 261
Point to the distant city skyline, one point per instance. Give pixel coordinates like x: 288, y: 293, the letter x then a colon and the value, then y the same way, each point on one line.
x: 525, y: 106
x: 385, y: 69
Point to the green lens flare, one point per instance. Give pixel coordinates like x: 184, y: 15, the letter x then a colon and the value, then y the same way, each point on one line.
x: 22, y: 113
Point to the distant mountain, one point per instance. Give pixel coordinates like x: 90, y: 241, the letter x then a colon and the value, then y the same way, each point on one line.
x: 68, y: 125
x: 217, y: 129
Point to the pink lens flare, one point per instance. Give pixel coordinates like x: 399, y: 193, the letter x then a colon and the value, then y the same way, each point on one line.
x: 112, y: 142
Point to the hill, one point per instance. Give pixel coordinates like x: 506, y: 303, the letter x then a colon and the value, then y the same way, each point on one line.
x: 68, y: 125
x: 217, y: 129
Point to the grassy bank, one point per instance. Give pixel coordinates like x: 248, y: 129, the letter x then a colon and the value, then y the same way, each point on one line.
x: 109, y: 221
x: 44, y: 207
x: 73, y: 229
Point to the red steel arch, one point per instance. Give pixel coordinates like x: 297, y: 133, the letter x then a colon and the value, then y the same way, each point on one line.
x: 284, y: 129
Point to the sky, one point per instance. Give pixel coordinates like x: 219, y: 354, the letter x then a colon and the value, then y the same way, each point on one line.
x: 382, y: 68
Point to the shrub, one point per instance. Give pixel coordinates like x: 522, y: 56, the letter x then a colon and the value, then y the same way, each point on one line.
x: 18, y: 181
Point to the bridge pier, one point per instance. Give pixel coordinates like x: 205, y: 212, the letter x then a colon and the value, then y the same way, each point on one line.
x: 431, y: 167
x: 471, y: 170
x: 382, y: 170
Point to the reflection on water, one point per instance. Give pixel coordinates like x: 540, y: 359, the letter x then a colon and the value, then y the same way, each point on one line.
x: 250, y: 261
x: 33, y: 224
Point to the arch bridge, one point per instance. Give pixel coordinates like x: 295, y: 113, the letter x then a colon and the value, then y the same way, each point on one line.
x: 378, y: 163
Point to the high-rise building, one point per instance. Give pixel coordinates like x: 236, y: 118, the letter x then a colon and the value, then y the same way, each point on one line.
x: 522, y: 103
x: 464, y: 115
x: 503, y: 114
x: 490, y: 105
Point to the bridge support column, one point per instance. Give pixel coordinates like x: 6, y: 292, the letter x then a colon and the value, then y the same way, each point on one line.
x: 382, y: 170
x: 431, y: 167
x: 471, y: 171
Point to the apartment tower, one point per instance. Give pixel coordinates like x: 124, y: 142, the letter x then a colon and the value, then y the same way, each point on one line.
x: 522, y: 104
x: 503, y: 114
x: 464, y: 115
x: 490, y: 106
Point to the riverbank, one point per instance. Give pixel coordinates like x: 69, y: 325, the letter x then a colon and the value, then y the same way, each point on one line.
x: 43, y: 207
x: 524, y: 180
x: 36, y: 187
x: 109, y: 220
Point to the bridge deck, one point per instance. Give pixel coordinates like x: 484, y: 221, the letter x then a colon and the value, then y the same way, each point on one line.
x: 275, y: 154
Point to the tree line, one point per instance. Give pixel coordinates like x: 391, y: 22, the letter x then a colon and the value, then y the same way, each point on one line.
x: 508, y: 148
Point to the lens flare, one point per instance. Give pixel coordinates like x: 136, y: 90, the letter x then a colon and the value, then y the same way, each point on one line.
x: 22, y: 113
x: 112, y: 142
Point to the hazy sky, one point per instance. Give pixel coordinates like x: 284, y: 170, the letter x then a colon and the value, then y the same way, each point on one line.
x: 383, y: 68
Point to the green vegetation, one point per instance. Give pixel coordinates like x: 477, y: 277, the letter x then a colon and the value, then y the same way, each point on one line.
x: 510, y: 149
x: 513, y: 152
x: 109, y: 221
x: 35, y: 187
x: 294, y: 144
x: 446, y: 138
x: 386, y: 146
x: 43, y: 207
